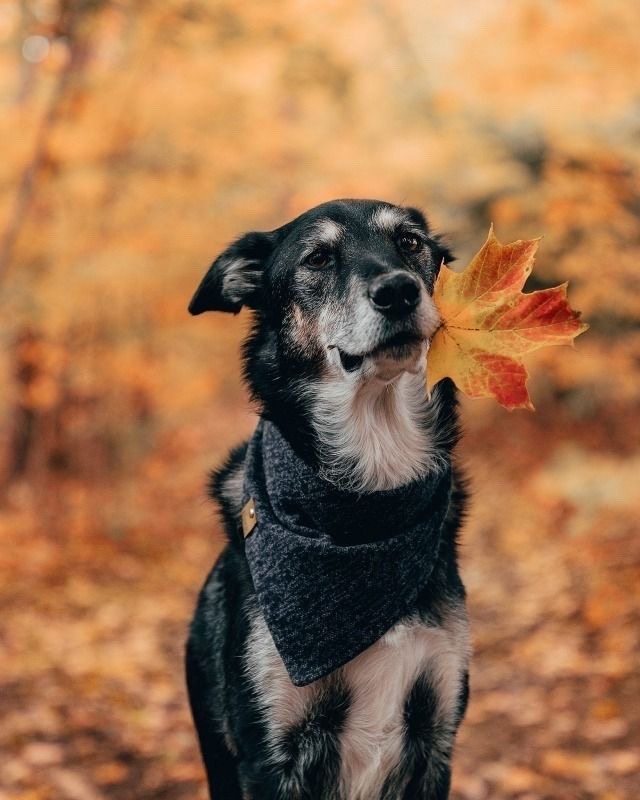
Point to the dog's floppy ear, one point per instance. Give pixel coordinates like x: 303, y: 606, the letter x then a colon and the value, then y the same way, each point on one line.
x: 235, y: 277
x: 444, y: 253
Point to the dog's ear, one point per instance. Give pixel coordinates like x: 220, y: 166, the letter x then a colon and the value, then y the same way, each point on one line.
x: 235, y: 277
x: 443, y: 252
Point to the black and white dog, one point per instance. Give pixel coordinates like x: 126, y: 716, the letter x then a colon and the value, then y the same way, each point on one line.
x: 328, y: 657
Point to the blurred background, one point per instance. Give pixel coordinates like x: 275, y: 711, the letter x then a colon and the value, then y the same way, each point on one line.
x: 137, y: 139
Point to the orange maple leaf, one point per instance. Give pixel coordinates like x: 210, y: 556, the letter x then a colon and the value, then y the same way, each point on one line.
x: 488, y: 323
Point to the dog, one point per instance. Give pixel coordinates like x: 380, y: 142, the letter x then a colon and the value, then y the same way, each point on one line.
x: 342, y: 320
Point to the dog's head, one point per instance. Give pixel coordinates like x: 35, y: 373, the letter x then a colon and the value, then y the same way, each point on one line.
x: 343, y: 301
x: 345, y: 287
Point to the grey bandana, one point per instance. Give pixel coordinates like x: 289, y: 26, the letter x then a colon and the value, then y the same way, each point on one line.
x: 334, y: 570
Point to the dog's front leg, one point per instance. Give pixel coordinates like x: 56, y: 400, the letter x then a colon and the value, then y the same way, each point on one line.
x: 304, y: 760
x: 424, y: 772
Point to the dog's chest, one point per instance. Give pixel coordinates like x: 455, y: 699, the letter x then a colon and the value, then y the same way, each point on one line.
x: 371, y: 735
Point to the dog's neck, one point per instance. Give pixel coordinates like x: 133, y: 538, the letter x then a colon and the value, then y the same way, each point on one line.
x: 373, y: 436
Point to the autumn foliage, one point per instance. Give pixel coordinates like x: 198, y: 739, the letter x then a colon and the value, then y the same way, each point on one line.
x: 137, y: 140
x: 488, y: 324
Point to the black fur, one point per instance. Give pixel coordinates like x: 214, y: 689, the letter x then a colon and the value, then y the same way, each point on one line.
x: 311, y: 749
x: 233, y: 733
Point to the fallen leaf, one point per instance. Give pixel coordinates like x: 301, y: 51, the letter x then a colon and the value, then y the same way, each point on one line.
x: 488, y: 323
x: 569, y: 764
x: 622, y: 762
x: 111, y: 772
x: 43, y: 754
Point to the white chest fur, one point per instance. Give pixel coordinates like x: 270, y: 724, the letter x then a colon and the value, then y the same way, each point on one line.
x: 379, y: 681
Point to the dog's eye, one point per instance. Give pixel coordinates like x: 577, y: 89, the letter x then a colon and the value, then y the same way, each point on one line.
x: 318, y: 259
x: 408, y: 243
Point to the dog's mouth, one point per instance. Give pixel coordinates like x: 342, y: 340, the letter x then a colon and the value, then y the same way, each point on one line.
x: 398, y: 347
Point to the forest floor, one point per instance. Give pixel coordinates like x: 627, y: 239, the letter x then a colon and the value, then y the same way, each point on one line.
x: 92, y: 697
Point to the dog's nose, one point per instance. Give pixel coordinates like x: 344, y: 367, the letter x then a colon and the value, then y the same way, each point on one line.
x: 396, y: 293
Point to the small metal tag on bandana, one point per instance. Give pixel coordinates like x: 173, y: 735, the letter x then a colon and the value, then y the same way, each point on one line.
x: 249, y: 517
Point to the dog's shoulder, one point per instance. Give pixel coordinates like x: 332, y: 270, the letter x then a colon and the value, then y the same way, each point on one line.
x: 225, y: 489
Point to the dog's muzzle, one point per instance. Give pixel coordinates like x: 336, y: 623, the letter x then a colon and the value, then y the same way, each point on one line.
x: 398, y: 348
x: 388, y: 360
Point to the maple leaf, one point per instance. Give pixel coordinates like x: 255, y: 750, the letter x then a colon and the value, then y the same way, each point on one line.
x: 488, y: 323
